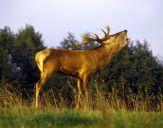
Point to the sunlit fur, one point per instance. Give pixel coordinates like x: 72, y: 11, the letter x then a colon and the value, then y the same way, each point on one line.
x: 78, y: 63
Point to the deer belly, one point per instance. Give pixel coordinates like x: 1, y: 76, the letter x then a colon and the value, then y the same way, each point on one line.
x: 70, y: 72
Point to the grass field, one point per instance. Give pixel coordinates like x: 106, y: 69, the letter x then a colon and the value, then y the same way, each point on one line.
x: 27, y: 117
x: 16, y: 112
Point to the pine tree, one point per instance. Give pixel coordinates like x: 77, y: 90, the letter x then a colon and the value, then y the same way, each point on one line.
x: 6, y: 44
x: 27, y: 44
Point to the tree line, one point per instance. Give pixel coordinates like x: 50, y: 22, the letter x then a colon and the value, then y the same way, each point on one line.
x: 132, y: 71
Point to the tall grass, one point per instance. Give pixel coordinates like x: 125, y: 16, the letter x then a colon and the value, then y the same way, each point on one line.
x: 99, y: 110
x: 98, y: 99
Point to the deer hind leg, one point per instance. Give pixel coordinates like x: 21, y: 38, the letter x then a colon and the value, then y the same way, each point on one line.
x: 46, y: 69
x: 39, y: 85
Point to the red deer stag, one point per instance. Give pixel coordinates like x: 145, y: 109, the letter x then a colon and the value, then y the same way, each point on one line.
x: 79, y: 63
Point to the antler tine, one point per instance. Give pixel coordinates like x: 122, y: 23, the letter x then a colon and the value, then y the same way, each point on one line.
x: 95, y: 36
x: 104, y: 32
x: 107, y: 29
x: 85, y: 39
x: 83, y: 36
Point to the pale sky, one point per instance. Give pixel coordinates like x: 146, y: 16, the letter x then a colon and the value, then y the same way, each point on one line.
x: 55, y: 18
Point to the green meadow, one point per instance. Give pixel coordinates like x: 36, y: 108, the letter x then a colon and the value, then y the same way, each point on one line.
x: 28, y: 117
x: 17, y: 112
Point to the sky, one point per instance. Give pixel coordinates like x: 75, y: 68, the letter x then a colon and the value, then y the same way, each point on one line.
x: 55, y: 18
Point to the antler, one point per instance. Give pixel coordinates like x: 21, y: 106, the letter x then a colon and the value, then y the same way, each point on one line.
x: 89, y: 39
x: 95, y: 37
x: 107, y: 31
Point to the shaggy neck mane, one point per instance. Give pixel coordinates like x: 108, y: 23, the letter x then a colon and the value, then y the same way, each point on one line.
x: 103, y: 55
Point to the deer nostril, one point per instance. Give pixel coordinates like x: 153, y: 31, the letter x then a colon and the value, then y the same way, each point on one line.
x: 125, y: 31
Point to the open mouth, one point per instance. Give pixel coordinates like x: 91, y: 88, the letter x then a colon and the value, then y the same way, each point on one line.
x: 128, y: 39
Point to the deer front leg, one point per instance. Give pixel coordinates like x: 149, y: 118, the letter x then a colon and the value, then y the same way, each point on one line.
x: 79, y: 85
x: 85, y: 87
x: 85, y: 91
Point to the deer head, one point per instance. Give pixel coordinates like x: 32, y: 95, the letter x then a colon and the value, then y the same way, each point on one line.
x: 113, y: 43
